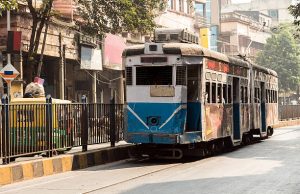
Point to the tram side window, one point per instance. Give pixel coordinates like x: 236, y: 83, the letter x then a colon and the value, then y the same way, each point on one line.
x: 272, y: 96
x: 219, y: 94
x: 213, y: 93
x: 225, y: 97
x: 229, y: 94
x: 246, y: 94
x: 257, y: 96
x: 242, y: 95
x: 158, y: 75
x: 267, y: 96
x: 128, y: 75
x: 181, y: 75
x: 207, y: 92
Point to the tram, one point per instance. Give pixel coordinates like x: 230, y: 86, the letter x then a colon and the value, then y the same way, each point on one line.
x: 183, y: 99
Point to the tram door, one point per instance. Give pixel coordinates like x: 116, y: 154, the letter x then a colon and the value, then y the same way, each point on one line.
x: 236, y: 109
x: 263, y: 107
x: 193, y: 103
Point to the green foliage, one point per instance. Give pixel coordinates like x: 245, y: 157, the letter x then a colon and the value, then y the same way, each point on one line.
x: 295, y: 11
x: 115, y: 16
x: 7, y: 5
x: 282, y: 54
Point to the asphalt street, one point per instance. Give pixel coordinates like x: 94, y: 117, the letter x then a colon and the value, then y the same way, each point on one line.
x: 269, y: 166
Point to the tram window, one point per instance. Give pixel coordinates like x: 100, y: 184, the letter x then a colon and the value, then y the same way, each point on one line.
x: 267, y: 96
x: 271, y: 96
x: 154, y: 75
x: 242, y: 95
x: 219, y: 94
x: 181, y: 75
x: 229, y: 93
x: 257, y: 96
x: 207, y: 92
x: 213, y: 93
x: 276, y: 97
x: 225, y: 93
x: 129, y: 75
x: 246, y: 94
x: 251, y: 100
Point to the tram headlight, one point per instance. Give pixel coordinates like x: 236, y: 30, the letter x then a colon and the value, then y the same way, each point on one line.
x: 153, y: 120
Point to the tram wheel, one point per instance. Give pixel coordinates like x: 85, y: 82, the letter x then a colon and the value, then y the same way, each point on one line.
x: 270, y: 131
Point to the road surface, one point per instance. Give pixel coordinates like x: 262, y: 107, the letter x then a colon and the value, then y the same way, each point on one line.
x: 270, y: 166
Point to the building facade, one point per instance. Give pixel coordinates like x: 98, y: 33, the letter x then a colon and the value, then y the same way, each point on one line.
x: 243, y: 34
x: 277, y: 10
x: 63, y: 71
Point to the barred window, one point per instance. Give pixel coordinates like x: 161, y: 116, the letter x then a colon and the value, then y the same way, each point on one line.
x: 181, y: 75
x: 129, y: 75
x: 155, y: 75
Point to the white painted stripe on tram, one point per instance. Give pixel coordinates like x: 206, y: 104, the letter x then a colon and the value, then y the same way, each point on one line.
x: 173, y: 114
x: 137, y: 116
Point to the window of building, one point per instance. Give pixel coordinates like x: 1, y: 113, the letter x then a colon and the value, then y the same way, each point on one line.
x: 189, y: 6
x: 200, y: 9
x: 172, y: 4
x: 273, y: 13
x: 181, y: 7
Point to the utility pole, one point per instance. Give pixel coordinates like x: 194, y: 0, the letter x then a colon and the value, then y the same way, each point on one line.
x: 8, y: 29
x: 61, y: 79
x: 94, y: 87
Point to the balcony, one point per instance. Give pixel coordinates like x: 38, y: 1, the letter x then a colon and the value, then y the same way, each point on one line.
x: 201, y: 21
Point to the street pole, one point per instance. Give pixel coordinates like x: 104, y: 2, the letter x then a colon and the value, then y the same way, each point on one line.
x: 8, y: 56
x: 94, y: 87
x: 8, y: 29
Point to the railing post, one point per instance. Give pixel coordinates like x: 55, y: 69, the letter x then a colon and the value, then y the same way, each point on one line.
x: 84, y: 124
x: 5, y: 130
x: 112, y: 123
x: 49, y: 125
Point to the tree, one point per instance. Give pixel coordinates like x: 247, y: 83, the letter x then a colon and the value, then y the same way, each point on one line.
x: 40, y: 17
x: 282, y: 54
x: 7, y: 5
x: 115, y: 16
x: 295, y: 11
x: 96, y: 17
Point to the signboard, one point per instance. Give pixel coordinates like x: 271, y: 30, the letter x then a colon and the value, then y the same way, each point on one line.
x: 9, y: 73
x: 113, y: 49
x: 91, y: 59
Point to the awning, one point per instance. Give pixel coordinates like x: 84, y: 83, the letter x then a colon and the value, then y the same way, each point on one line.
x: 113, y: 48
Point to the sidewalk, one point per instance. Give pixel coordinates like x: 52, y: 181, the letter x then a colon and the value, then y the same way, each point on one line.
x: 26, y: 168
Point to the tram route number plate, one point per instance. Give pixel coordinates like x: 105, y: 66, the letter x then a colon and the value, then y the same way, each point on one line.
x: 162, y: 91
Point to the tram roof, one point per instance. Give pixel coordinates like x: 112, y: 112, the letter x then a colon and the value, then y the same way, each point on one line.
x: 186, y: 49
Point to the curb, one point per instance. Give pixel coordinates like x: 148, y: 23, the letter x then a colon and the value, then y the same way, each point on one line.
x: 287, y: 123
x: 17, y: 172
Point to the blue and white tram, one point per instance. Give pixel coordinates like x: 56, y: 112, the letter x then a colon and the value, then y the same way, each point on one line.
x: 182, y: 97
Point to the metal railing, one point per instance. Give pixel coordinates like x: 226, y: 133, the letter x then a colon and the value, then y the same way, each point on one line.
x: 30, y: 129
x: 288, y: 112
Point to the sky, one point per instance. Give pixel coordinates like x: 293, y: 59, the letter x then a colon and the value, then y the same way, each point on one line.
x: 240, y: 1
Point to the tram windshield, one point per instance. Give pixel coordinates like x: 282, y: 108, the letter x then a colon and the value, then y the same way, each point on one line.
x: 154, y: 75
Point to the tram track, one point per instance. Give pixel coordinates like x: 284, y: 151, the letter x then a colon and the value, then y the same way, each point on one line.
x: 134, y: 178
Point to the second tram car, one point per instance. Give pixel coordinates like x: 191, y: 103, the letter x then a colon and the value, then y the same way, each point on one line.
x: 184, y: 99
